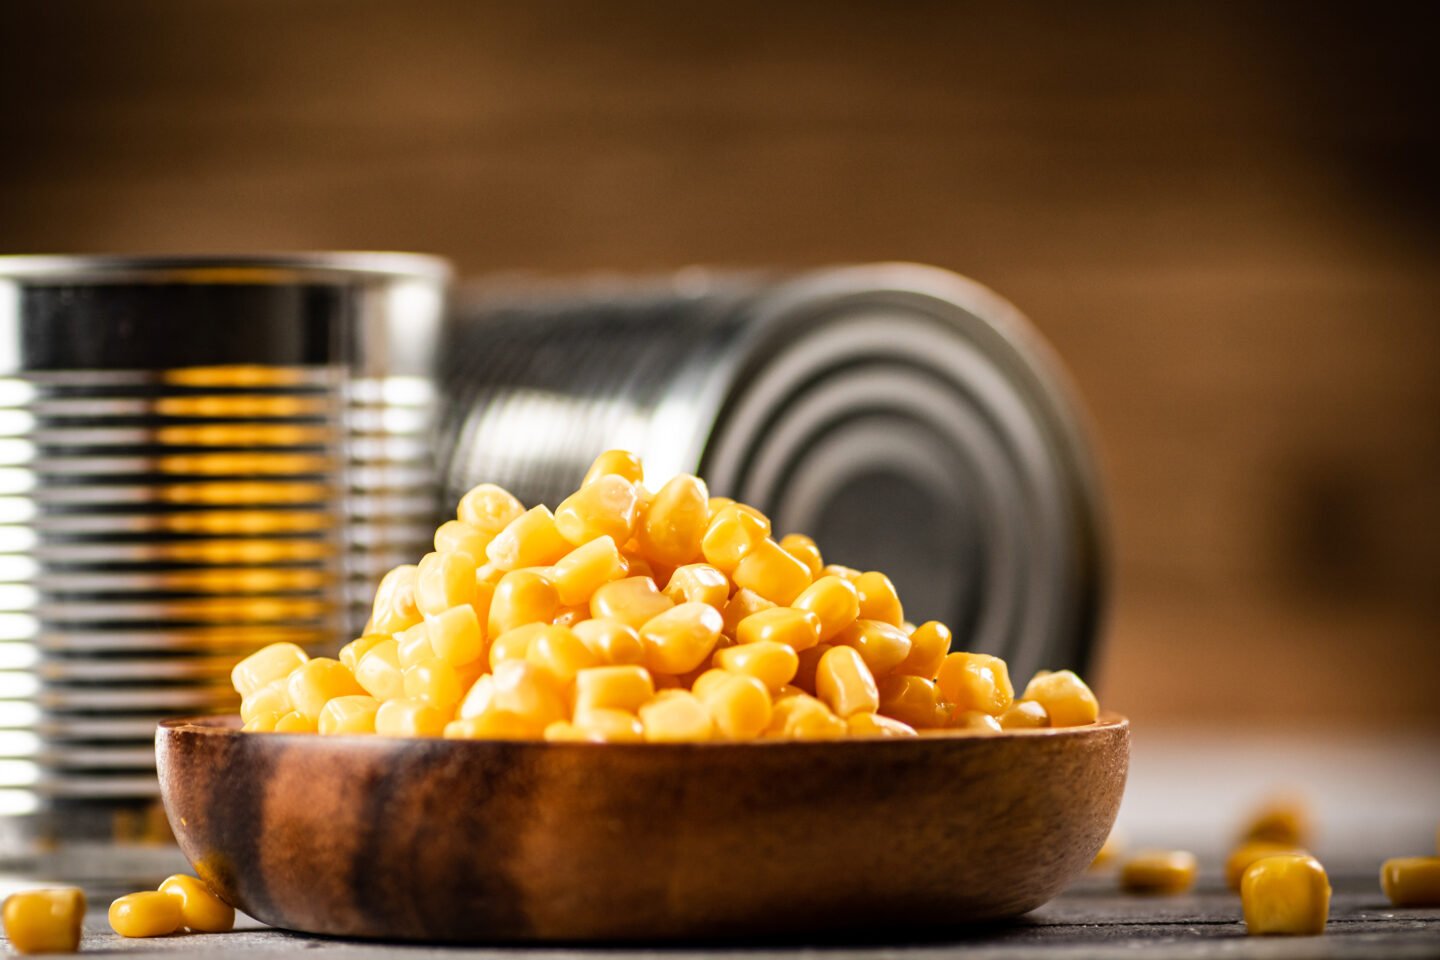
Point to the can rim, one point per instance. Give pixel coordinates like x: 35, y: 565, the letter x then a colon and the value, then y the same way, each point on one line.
x: 206, y: 267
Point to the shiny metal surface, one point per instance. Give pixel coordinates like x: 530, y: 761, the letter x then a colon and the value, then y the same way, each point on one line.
x: 197, y: 456
x: 908, y: 418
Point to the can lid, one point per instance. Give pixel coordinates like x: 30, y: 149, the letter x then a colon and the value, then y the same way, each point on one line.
x: 222, y: 267
x: 912, y: 421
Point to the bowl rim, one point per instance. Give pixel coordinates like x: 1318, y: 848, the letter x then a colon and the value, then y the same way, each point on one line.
x: 228, y: 726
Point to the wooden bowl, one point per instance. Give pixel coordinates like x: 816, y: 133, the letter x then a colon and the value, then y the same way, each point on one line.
x: 456, y: 840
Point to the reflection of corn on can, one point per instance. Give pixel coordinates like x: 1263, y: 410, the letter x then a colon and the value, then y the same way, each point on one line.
x: 907, y: 418
x: 197, y: 456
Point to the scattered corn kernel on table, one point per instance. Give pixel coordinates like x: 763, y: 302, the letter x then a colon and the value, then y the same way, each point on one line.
x: 1371, y: 800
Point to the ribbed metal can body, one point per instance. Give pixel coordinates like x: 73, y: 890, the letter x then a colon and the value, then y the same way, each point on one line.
x: 198, y: 456
x: 907, y: 418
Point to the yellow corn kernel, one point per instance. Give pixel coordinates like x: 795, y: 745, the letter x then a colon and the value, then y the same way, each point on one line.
x: 413, y: 645
x: 617, y: 688
x: 929, y: 643
x: 444, y: 580
x: 1023, y: 715
x: 1159, y: 871
x: 559, y: 651
x: 977, y: 721
x: 457, y: 536
x: 409, y: 718
x: 380, y: 672
x: 743, y: 604
x: 676, y: 716
x: 802, y: 548
x: 731, y: 534
x: 1281, y: 819
x: 606, y: 507
x: 773, y: 664
x: 612, y: 642
x: 149, y: 913
x: 352, y: 714
x: 489, y: 509
x: 529, y: 692
x: 493, y: 725
x: 913, y: 700
x: 698, y: 583
x: 530, y: 540
x: 351, y: 653
x: 845, y: 684
x: 976, y: 681
x: 455, y: 635
x: 633, y: 601
x: 703, y: 681
x: 717, y: 504
x: 1412, y: 881
x: 394, y: 608
x: 200, y: 910
x: 879, y: 599
x: 262, y: 722
x: 586, y: 569
x: 1247, y: 853
x: 563, y: 731
x: 435, y: 682
x: 739, y: 705
x: 274, y: 697
x: 521, y: 597
x: 883, y: 646
x: 834, y: 600
x: 1066, y: 698
x: 772, y: 573
x: 317, y: 683
x: 675, y: 522
x: 266, y: 665
x: 681, y: 638
x: 796, y: 629
x: 878, y: 725
x: 514, y: 644
x: 606, y: 725
x: 1285, y: 894
x: 45, y: 921
x: 478, y: 699
x: 294, y: 722
x: 802, y: 717
x: 848, y: 574
x: 621, y: 463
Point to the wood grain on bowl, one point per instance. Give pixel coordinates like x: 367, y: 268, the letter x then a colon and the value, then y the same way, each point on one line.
x: 468, y: 841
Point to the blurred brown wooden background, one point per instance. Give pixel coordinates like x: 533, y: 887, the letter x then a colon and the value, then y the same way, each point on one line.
x: 1226, y: 217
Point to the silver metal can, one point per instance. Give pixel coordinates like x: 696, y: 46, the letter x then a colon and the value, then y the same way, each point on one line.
x: 907, y: 418
x: 198, y: 456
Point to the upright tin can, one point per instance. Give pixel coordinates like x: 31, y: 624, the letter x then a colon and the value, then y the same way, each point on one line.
x: 907, y: 418
x: 198, y: 456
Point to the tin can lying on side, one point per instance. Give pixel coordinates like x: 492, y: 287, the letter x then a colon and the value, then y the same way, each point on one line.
x: 893, y: 398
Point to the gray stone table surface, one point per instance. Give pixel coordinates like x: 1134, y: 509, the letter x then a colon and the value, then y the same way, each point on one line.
x: 1091, y: 920
x: 1372, y: 798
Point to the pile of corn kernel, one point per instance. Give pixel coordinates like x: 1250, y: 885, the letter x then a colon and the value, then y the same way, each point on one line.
x: 628, y: 615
